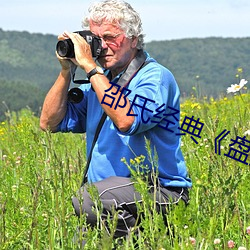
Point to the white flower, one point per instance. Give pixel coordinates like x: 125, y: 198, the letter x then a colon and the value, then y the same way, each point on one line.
x: 242, y: 248
x: 247, y: 132
x: 237, y: 87
x: 22, y: 210
x: 192, y: 240
x: 217, y: 241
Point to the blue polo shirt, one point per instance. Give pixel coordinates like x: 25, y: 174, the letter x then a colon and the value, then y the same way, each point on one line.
x: 154, y: 98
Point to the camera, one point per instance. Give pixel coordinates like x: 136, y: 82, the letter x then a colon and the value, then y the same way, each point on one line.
x: 65, y: 48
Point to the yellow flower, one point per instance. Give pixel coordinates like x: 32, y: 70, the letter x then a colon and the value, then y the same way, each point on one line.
x: 138, y: 160
x: 132, y: 162
x: 195, y: 105
x: 240, y: 70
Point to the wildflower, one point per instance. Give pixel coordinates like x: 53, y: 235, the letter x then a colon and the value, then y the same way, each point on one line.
x: 22, y: 210
x: 240, y: 70
x: 242, y: 248
x: 198, y: 182
x: 192, y: 240
x: 216, y: 241
x: 237, y: 87
x: 132, y: 162
x: 195, y: 105
x: 247, y: 132
x: 14, y: 188
x: 137, y: 159
x: 230, y: 244
x: 45, y: 216
x: 248, y: 230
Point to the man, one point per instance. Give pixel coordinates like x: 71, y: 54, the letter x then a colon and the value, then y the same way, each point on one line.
x: 148, y: 109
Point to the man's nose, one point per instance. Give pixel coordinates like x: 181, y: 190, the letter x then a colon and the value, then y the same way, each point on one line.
x: 104, y: 44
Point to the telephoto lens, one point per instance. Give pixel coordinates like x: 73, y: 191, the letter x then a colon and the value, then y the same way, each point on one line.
x: 65, y: 48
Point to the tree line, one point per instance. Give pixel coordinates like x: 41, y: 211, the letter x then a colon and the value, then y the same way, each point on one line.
x: 202, y: 67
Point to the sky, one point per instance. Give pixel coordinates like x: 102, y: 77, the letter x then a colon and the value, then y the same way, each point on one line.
x: 161, y: 19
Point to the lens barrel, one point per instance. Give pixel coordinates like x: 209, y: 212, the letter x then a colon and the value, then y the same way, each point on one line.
x: 75, y: 95
x: 65, y: 48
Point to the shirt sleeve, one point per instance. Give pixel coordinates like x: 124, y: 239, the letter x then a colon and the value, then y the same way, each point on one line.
x: 153, y: 91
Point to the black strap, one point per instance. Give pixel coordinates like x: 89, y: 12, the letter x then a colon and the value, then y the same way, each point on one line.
x: 136, y: 64
x: 97, y: 132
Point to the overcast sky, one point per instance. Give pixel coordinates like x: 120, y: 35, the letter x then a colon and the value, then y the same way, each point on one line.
x: 162, y: 19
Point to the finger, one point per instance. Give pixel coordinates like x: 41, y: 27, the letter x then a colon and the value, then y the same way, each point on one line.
x: 59, y: 57
x: 69, y: 60
x: 62, y: 36
x: 66, y: 33
x: 69, y: 34
x: 75, y: 37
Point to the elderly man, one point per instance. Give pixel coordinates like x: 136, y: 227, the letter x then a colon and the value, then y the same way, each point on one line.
x: 147, y: 108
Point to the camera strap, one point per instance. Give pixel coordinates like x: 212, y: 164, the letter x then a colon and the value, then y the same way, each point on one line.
x: 136, y: 64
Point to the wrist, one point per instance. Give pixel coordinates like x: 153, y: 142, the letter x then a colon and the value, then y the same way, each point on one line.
x: 87, y: 64
x: 89, y: 67
x: 94, y: 71
x: 65, y: 73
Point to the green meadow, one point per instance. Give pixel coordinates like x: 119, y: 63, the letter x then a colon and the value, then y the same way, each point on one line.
x: 40, y: 172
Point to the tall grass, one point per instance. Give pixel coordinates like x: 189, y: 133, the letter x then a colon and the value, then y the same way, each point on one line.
x: 40, y: 172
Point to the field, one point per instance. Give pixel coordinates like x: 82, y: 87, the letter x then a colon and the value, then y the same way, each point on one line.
x: 40, y: 172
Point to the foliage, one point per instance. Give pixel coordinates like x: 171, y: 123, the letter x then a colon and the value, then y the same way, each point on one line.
x: 28, y: 58
x: 40, y: 172
x: 28, y: 68
x: 210, y: 61
x: 14, y: 95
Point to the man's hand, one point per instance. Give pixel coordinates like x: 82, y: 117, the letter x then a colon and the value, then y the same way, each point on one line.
x: 66, y: 63
x: 83, y: 54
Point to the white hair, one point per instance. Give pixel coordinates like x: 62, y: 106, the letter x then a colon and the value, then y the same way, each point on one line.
x: 120, y: 13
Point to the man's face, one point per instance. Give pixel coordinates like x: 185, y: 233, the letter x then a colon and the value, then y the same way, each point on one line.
x: 118, y: 50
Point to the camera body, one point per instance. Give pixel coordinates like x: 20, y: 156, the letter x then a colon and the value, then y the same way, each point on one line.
x: 65, y: 48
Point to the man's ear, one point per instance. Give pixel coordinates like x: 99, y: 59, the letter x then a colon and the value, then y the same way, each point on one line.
x: 134, y: 42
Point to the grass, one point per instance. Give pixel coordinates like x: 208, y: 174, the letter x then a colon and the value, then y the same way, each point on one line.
x: 40, y: 172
